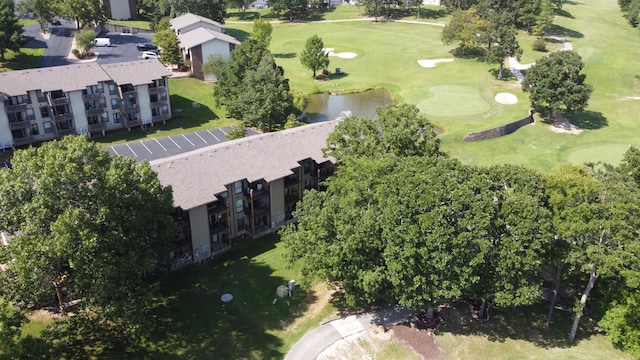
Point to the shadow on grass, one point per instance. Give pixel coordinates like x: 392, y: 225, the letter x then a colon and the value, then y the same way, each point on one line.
x: 285, y: 55
x: 22, y: 61
x: 564, y: 13
x: 565, y: 32
x: 507, y: 75
x: 241, y: 35
x: 589, y: 120
x: 524, y: 323
x: 424, y: 13
x: 249, y: 15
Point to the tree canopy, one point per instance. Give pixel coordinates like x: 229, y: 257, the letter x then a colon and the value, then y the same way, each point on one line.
x: 10, y: 31
x: 556, y: 81
x: 313, y: 56
x: 98, y: 227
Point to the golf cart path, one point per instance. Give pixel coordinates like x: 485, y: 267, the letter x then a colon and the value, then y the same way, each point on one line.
x: 317, y: 340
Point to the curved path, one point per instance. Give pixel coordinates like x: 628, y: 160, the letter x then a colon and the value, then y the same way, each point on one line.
x: 516, y: 67
x: 314, y: 342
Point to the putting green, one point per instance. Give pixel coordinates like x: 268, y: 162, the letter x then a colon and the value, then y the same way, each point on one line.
x: 606, y: 152
x: 453, y: 100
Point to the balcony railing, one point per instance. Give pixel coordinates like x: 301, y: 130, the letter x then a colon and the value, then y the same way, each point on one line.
x: 132, y: 123
x: 97, y: 127
x: 157, y: 89
x: 63, y: 117
x: 16, y: 108
x: 129, y: 108
x: 13, y: 125
x: 60, y: 101
x: 160, y: 118
x: 23, y: 141
x: 218, y: 226
x: 94, y: 112
x: 65, y: 132
x: 94, y: 96
x: 159, y: 103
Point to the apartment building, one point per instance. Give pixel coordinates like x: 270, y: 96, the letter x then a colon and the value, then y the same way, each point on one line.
x: 48, y: 103
x: 242, y: 188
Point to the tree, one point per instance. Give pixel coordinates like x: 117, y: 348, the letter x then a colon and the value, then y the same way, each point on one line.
x: 10, y: 330
x: 167, y: 40
x: 266, y: 98
x: 294, y: 8
x: 84, y: 12
x: 230, y: 86
x: 212, y: 9
x: 97, y: 226
x: 261, y: 31
x: 501, y: 40
x: 622, y: 323
x: 555, y: 81
x: 374, y: 8
x: 400, y: 130
x: 543, y: 21
x: 10, y: 31
x: 313, y: 56
x: 464, y: 27
x: 43, y: 11
x: 215, y: 65
x: 84, y: 39
x: 242, y: 5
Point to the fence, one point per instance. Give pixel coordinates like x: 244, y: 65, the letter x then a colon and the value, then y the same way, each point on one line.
x: 500, y: 130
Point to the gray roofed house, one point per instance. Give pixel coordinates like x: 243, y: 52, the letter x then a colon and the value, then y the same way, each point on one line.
x: 187, y: 22
x: 66, y: 78
x: 136, y: 72
x: 202, y: 35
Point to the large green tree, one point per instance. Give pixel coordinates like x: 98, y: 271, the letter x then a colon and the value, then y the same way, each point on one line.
x: 267, y: 100
x: 43, y: 11
x: 84, y: 12
x: 10, y: 31
x: 463, y: 28
x: 11, y: 321
x: 501, y: 41
x: 96, y: 226
x: 212, y: 9
x: 313, y: 56
x: 556, y: 81
x: 261, y: 31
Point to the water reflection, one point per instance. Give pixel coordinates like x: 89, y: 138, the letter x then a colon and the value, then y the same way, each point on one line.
x: 323, y: 107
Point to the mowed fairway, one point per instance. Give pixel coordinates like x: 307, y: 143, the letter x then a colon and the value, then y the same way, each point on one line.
x: 459, y: 95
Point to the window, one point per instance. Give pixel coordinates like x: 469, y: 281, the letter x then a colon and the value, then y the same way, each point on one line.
x: 44, y: 111
x: 40, y: 96
x: 238, y: 187
x: 48, y: 128
x: 115, y: 103
x: 34, y: 129
x: 99, y: 88
x: 116, y: 118
x: 240, y: 223
x: 163, y: 96
x: 105, y: 117
x: 30, y: 114
x: 239, y: 205
x: 214, y: 238
x: 112, y: 89
x: 102, y: 103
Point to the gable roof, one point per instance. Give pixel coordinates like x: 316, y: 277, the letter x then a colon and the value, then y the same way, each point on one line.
x: 198, y: 175
x: 202, y: 35
x: 189, y: 19
x: 66, y: 78
x: 136, y: 72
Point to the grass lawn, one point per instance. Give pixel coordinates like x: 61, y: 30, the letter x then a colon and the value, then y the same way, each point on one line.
x: 387, y: 55
x: 26, y: 58
x: 140, y: 24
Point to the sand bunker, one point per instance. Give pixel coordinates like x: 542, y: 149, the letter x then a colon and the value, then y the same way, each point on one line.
x: 342, y: 55
x: 506, y: 98
x: 432, y: 63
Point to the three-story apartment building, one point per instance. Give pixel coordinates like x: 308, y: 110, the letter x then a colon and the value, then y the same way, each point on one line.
x: 242, y: 188
x: 48, y: 103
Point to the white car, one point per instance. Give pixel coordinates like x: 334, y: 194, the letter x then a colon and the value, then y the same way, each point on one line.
x: 149, y: 55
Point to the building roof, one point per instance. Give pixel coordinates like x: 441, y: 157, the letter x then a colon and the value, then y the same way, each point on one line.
x: 66, y: 78
x: 202, y: 35
x: 79, y: 76
x: 136, y: 72
x: 189, y: 19
x: 198, y: 175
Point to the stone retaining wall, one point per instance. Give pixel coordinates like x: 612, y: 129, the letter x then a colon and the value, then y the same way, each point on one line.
x: 500, y: 130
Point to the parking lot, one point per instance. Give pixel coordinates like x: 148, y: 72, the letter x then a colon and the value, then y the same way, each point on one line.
x: 173, y: 145
x: 123, y: 47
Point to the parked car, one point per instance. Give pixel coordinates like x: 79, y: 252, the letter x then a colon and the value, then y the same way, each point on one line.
x: 149, y: 55
x: 147, y: 47
x: 102, y: 42
x: 56, y: 23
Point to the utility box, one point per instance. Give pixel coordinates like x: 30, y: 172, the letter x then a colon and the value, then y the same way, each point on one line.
x: 282, y: 291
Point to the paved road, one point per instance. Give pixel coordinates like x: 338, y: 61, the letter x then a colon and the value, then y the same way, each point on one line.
x: 58, y: 45
x: 123, y: 47
x: 315, y: 341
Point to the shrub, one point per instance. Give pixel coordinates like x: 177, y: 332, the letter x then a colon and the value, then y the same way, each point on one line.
x: 236, y: 132
x: 539, y: 45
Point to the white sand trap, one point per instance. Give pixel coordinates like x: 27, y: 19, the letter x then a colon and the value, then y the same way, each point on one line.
x: 342, y: 55
x: 432, y: 63
x: 506, y: 98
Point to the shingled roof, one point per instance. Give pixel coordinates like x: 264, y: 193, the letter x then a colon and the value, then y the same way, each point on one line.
x: 198, y: 175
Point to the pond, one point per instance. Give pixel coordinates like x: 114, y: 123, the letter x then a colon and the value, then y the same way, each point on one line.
x: 323, y: 107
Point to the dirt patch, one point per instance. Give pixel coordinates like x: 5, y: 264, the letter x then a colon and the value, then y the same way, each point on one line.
x: 316, y: 301
x: 422, y: 342
x: 562, y: 125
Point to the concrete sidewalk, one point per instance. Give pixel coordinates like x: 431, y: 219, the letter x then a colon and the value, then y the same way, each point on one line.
x: 315, y: 341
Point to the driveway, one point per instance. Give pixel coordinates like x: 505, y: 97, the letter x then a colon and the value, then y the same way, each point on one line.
x: 123, y: 47
x: 57, y: 46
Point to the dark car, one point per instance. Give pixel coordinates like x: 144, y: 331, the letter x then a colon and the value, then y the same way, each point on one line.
x: 56, y: 23
x: 147, y: 47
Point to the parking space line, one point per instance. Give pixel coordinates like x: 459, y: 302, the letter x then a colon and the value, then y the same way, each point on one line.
x: 145, y: 146
x: 173, y: 141
x: 214, y: 136
x: 158, y: 142
x: 114, y: 150
x: 201, y: 138
x: 192, y: 144
x: 133, y: 152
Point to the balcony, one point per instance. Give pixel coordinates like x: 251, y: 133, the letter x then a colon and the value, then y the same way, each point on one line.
x: 160, y: 118
x: 291, y: 180
x: 95, y: 112
x: 23, y: 141
x: 63, y: 117
x: 13, y: 125
x: 129, y: 93
x: 66, y: 132
x: 132, y: 123
x: 159, y: 103
x: 291, y: 199
x: 257, y: 210
x: 129, y: 108
x: 15, y: 108
x: 94, y: 96
x: 97, y: 127
x: 157, y: 89
x: 218, y: 226
x: 60, y: 101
